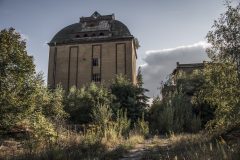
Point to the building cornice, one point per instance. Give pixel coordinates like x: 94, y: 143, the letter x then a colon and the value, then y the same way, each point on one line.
x: 90, y: 40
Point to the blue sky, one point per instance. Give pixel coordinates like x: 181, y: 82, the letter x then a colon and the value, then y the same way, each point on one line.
x: 158, y: 24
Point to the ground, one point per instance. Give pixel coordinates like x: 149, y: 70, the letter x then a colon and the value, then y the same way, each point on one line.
x: 171, y: 147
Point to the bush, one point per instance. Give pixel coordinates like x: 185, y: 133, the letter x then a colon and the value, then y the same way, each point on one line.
x: 141, y: 127
x: 101, y: 116
x: 43, y: 129
x: 122, y: 123
x: 174, y: 114
x: 55, y: 108
x: 195, y: 124
x: 80, y: 102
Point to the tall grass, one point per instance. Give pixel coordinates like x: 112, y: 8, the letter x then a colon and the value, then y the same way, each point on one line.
x: 96, y: 141
x: 193, y: 146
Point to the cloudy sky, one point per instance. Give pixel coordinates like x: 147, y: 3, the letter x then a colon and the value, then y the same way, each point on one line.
x: 168, y: 30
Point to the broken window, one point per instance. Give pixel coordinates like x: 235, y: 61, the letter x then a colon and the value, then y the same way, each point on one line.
x: 95, y: 62
x: 96, y: 77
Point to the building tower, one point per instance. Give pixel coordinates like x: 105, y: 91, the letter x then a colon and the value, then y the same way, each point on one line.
x: 94, y: 50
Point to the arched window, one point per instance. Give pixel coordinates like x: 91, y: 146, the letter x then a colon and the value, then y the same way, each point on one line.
x: 101, y: 34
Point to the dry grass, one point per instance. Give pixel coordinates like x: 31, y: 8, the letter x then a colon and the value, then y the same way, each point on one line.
x: 71, y: 145
x: 199, y: 146
x: 88, y: 145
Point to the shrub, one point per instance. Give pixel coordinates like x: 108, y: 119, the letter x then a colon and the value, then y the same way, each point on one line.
x: 101, y: 116
x: 174, y: 114
x: 80, y: 102
x: 42, y: 127
x: 195, y: 124
x: 141, y: 127
x: 55, y: 108
x: 122, y: 123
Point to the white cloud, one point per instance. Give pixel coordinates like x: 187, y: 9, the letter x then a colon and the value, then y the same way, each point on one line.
x: 204, y: 44
x: 160, y: 63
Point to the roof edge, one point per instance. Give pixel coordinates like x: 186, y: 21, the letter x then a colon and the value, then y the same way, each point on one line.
x: 90, y: 41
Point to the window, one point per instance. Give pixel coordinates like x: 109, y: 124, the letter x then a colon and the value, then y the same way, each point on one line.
x: 96, y: 77
x: 93, y: 35
x: 95, y: 62
x: 92, y: 25
x: 85, y: 35
x: 77, y: 36
x: 101, y: 34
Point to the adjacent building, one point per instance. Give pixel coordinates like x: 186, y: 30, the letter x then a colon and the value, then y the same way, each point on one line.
x: 182, y: 76
x: 95, y: 49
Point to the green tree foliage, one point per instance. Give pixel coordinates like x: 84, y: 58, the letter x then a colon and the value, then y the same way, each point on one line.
x: 225, y: 37
x: 222, y: 75
x: 141, y: 97
x: 25, y: 102
x: 16, y: 78
x: 176, y: 111
x: 221, y: 91
x: 129, y: 97
x: 80, y: 102
x: 54, y: 109
x: 41, y: 127
x: 190, y: 84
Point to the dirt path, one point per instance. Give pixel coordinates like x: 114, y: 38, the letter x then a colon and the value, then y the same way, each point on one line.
x: 140, y: 149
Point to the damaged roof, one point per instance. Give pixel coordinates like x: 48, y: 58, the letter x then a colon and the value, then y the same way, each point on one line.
x: 94, y: 28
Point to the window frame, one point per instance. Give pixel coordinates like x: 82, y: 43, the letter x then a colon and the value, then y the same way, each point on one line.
x: 95, y: 62
x: 96, y: 77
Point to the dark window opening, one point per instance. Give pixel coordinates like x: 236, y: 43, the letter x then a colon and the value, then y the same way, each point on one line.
x: 101, y: 34
x: 95, y: 62
x: 96, y: 77
x: 85, y: 35
x: 91, y: 25
x: 77, y: 36
x: 93, y: 35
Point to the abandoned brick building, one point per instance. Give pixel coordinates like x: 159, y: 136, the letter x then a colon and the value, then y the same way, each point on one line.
x: 94, y: 50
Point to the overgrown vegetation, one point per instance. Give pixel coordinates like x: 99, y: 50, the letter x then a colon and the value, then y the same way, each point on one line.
x: 174, y: 113
x: 221, y: 91
x: 96, y: 122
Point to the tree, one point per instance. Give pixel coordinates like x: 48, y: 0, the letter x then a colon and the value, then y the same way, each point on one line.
x: 225, y: 37
x: 16, y: 78
x: 221, y: 91
x: 141, y: 98
x: 125, y: 94
x: 129, y: 97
